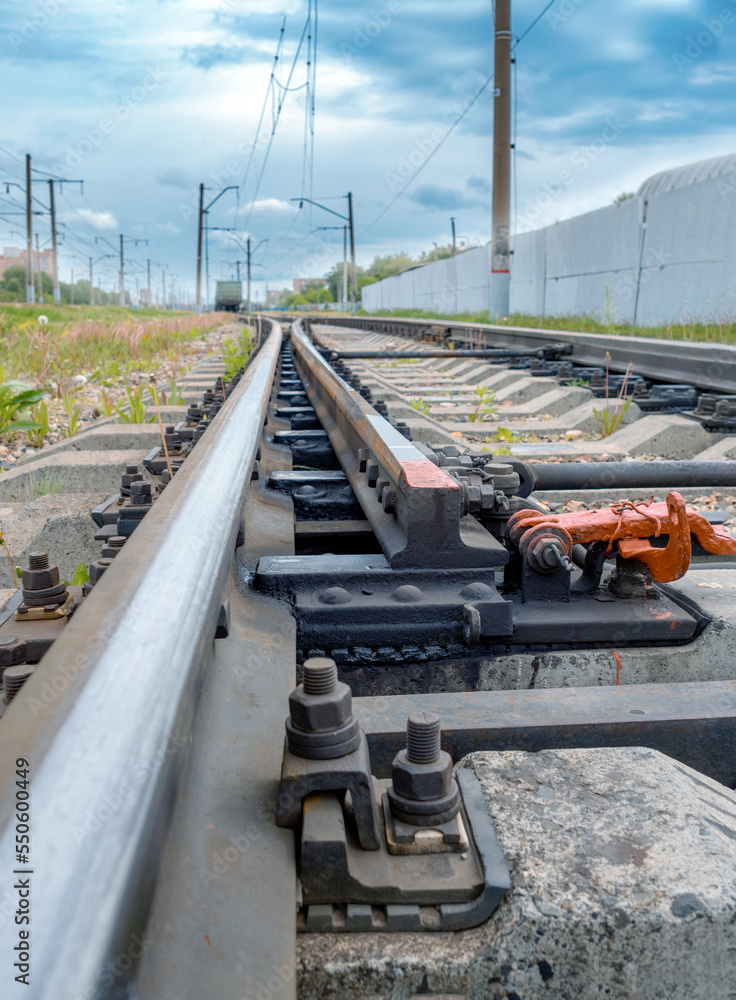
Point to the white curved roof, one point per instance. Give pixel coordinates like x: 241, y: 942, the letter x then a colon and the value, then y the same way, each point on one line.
x: 693, y: 173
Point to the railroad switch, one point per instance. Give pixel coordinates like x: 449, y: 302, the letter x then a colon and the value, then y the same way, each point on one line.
x: 414, y: 853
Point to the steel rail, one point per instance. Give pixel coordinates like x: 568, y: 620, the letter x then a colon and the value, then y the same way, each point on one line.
x: 420, y: 492
x: 105, y: 720
x: 710, y: 367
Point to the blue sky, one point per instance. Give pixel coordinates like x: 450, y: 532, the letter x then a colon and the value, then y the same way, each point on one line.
x: 146, y: 98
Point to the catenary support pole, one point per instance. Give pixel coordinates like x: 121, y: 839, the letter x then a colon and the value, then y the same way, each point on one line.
x: 500, y: 226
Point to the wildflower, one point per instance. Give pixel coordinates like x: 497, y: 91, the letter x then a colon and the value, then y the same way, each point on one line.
x: 43, y: 320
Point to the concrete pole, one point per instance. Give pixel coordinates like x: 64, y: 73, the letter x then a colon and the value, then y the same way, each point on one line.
x: 344, y: 268
x: 91, y: 283
x: 39, y: 297
x: 500, y: 226
x: 30, y: 294
x: 199, y: 249
x: 247, y: 300
x: 150, y: 295
x: 351, y: 223
x: 57, y: 290
x: 454, y: 244
x: 121, y: 294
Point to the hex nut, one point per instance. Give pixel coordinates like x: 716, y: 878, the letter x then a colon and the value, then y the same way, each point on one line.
x: 320, y: 713
x: 12, y: 651
x: 422, y: 782
x: 40, y: 579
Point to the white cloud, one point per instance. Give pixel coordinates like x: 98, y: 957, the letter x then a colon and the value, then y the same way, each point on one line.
x: 97, y: 220
x: 703, y: 76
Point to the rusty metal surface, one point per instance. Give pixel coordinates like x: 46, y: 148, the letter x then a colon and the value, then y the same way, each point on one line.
x: 125, y: 679
x: 630, y: 525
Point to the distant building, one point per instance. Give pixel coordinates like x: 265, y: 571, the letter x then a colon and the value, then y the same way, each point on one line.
x: 15, y: 257
x: 301, y: 284
x: 273, y: 295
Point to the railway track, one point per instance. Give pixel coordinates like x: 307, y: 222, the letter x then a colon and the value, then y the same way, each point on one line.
x: 328, y: 554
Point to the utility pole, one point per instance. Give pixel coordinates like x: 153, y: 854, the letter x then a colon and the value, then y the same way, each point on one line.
x: 454, y: 245
x: 149, y: 282
x: 351, y: 223
x: 39, y: 296
x: 91, y: 284
x: 247, y: 257
x: 344, y: 269
x: 121, y: 293
x: 72, y: 289
x: 163, y: 286
x: 121, y: 253
x: 199, y: 248
x: 55, y: 262
x: 500, y: 250
x: 30, y: 296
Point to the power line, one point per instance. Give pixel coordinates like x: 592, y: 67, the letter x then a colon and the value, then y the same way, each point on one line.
x: 534, y: 23
x: 274, y: 125
x: 439, y: 145
x: 269, y: 90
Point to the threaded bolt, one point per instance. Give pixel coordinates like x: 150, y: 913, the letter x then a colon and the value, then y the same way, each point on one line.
x: 423, y: 738
x: 14, y: 678
x: 320, y: 675
x: 38, y: 560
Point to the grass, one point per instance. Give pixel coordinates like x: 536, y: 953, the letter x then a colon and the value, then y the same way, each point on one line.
x: 43, y: 348
x: 422, y: 406
x: 483, y: 398
x: 718, y: 328
x: 236, y: 351
x: 107, y: 341
x: 609, y: 422
x: 35, y: 488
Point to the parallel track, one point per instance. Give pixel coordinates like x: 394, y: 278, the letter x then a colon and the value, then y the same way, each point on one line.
x: 139, y: 686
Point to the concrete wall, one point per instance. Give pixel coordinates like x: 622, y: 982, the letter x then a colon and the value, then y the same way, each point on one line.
x: 648, y: 262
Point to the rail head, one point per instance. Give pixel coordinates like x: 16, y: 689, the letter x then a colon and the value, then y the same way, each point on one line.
x: 400, y: 490
x: 105, y: 720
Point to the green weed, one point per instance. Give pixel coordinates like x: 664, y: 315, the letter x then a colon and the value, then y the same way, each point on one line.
x: 71, y: 411
x: 35, y: 488
x: 40, y: 416
x: 483, y: 400
x: 136, y: 413
x: 81, y: 575
x: 15, y: 397
x: 107, y: 403
x: 420, y: 405
x: 236, y: 351
x: 175, y: 397
x: 609, y: 422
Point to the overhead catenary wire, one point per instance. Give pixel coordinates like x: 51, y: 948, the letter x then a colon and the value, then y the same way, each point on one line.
x: 534, y: 23
x: 274, y: 126
x: 436, y: 149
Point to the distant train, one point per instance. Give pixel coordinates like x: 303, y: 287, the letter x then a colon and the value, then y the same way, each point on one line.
x: 228, y: 296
